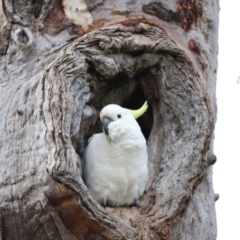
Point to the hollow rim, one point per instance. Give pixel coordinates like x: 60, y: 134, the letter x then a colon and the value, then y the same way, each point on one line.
x: 177, y: 145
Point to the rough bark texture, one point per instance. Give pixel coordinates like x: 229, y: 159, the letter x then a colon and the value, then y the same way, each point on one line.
x: 58, y: 70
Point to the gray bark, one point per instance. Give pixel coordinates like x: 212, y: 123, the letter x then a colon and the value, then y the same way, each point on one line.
x: 57, y: 72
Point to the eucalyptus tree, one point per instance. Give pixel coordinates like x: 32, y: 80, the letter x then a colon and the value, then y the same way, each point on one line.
x: 61, y: 62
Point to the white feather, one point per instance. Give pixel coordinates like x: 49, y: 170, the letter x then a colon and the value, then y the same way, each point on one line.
x: 116, y: 165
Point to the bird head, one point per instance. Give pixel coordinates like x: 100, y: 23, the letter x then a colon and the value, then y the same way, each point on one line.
x: 120, y: 119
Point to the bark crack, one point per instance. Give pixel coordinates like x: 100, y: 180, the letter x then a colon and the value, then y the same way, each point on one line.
x: 1, y: 225
x: 5, y: 38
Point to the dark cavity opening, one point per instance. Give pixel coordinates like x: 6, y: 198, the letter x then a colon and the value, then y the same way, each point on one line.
x: 135, y: 101
x: 122, y: 90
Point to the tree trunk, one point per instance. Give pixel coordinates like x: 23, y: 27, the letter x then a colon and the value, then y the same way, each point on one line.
x: 61, y: 62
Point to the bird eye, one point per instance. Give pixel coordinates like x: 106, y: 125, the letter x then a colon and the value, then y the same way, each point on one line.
x: 119, y: 116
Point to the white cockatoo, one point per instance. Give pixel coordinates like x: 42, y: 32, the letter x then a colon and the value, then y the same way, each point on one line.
x: 116, y: 161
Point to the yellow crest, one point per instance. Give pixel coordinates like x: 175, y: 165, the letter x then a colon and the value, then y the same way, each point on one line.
x: 138, y: 113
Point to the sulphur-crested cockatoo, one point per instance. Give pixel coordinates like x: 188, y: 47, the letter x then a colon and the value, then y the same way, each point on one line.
x: 116, y: 161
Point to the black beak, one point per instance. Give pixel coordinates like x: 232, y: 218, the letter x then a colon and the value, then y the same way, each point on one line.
x: 106, y: 122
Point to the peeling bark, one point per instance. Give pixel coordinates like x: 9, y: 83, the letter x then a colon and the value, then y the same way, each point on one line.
x: 57, y: 76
